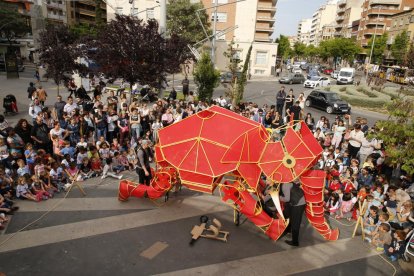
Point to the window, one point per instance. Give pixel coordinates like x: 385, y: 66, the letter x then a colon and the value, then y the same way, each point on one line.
x: 150, y: 13
x: 221, y: 17
x: 412, y: 19
x: 259, y: 72
x: 261, y: 58
x: 119, y: 10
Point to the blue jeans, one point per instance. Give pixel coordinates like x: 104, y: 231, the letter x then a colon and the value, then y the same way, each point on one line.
x: 100, y: 132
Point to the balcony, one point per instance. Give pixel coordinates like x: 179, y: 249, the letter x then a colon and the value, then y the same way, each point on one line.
x: 262, y: 39
x: 264, y: 7
x: 376, y: 11
x: 266, y: 19
x: 340, y: 11
x: 341, y: 3
x: 339, y: 18
x: 86, y: 12
x: 264, y: 29
x: 337, y: 34
x: 376, y: 21
x: 371, y: 32
x: 385, y: 2
x: 56, y: 5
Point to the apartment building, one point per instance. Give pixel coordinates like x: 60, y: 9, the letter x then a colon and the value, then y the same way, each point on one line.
x: 402, y: 21
x: 304, y: 29
x: 325, y: 15
x: 84, y: 11
x: 376, y: 17
x: 250, y: 22
x: 347, y: 11
x: 292, y: 40
x: 143, y: 9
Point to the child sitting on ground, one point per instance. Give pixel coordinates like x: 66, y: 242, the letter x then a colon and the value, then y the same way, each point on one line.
x: 23, y: 168
x: 38, y: 189
x: 345, y: 211
x: 332, y: 206
x: 23, y: 191
x: 397, y: 248
x: 370, y: 221
x: 85, y: 170
x: 96, y: 166
x: 108, y: 171
x: 382, y: 237
x: 57, y: 178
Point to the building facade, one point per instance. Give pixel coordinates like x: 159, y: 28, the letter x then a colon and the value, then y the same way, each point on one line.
x: 304, y: 29
x: 250, y: 22
x: 347, y: 11
x: 325, y: 15
x: 376, y: 17
x: 85, y: 12
x: 143, y: 9
x: 402, y: 21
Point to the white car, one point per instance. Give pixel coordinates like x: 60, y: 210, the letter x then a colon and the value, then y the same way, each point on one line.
x: 297, y: 71
x: 317, y: 82
x: 334, y: 74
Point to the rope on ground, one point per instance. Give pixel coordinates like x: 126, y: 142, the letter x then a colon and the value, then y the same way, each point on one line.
x: 340, y: 222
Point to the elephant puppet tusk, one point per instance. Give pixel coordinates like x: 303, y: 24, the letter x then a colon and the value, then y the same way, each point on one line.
x: 275, y: 197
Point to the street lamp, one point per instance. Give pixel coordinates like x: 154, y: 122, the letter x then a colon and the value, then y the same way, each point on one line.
x: 375, y: 34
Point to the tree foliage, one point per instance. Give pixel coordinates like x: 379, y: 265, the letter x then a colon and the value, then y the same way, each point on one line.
x: 182, y: 20
x: 379, y: 48
x: 58, y: 50
x: 12, y: 23
x: 206, y: 77
x: 399, y: 47
x: 132, y: 49
x: 397, y: 133
x: 343, y: 48
x: 299, y: 49
x: 242, y: 80
x: 82, y: 30
x: 235, y: 66
x: 283, y: 46
x: 409, y: 58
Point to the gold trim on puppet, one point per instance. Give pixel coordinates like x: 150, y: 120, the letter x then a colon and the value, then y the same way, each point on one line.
x: 289, y: 161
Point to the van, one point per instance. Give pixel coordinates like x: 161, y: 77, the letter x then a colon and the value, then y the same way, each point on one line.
x: 346, y: 76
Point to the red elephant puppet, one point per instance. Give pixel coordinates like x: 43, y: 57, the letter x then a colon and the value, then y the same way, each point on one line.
x: 219, y: 148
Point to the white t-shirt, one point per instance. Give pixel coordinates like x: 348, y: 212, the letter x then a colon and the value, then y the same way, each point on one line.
x: 68, y: 108
x: 58, y: 133
x: 356, y: 135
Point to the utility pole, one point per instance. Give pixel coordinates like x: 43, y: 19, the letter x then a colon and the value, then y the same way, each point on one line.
x: 375, y: 34
x: 213, y: 42
x: 163, y: 17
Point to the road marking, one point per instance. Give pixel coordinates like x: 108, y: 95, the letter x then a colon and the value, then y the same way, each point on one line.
x: 261, y: 92
x: 289, y: 261
x: 154, y: 250
x: 84, y: 204
x: 180, y: 209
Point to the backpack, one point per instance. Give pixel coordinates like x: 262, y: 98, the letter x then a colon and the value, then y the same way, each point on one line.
x: 296, y: 193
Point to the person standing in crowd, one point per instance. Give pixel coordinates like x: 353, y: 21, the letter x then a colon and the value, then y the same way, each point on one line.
x: 70, y: 106
x: 30, y: 90
x: 143, y: 168
x: 294, y: 208
x: 296, y: 111
x: 42, y: 95
x: 302, y: 100
x: 58, y: 108
x: 290, y: 99
x: 186, y: 87
x: 355, y: 140
x: 40, y: 135
x: 35, y: 109
x: 280, y: 100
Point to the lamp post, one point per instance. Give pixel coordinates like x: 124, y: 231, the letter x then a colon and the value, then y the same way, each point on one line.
x: 375, y: 34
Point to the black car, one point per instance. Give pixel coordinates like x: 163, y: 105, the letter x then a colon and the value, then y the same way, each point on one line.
x: 328, y: 101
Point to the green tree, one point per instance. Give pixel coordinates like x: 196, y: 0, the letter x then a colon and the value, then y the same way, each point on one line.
x: 242, y: 80
x: 283, y: 48
x: 399, y: 47
x: 397, y: 133
x: 182, y: 20
x: 206, y: 77
x: 299, y: 49
x: 409, y: 58
x: 379, y: 48
x: 83, y: 29
x: 235, y: 66
x: 335, y: 48
x: 311, y: 52
x: 99, y: 21
x: 12, y: 23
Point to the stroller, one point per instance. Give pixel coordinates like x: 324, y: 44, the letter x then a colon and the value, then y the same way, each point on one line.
x: 10, y: 105
x: 409, y: 249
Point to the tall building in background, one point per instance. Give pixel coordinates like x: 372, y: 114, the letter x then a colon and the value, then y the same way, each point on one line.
x: 254, y: 24
x: 143, y: 9
x: 304, y: 30
x: 85, y: 11
x: 347, y: 12
x: 325, y: 15
x: 376, y: 17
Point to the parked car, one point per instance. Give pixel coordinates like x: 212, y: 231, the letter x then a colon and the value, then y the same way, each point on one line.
x: 296, y: 71
x: 313, y: 73
x: 228, y: 77
x: 328, y: 101
x: 334, y: 74
x: 292, y: 78
x: 327, y: 71
x: 317, y: 82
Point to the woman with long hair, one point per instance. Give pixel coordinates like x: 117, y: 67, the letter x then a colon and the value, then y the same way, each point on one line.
x: 24, y: 129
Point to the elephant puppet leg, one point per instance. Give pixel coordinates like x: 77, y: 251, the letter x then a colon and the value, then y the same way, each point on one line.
x: 128, y: 188
x: 313, y: 183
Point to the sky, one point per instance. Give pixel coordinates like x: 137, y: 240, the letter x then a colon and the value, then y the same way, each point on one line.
x: 290, y: 12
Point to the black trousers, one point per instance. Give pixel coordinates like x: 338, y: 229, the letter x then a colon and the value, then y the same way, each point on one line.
x: 279, y: 108
x: 353, y: 151
x: 295, y: 214
x: 144, y: 179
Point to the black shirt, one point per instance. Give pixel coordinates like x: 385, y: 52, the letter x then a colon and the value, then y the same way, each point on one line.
x: 296, y: 112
